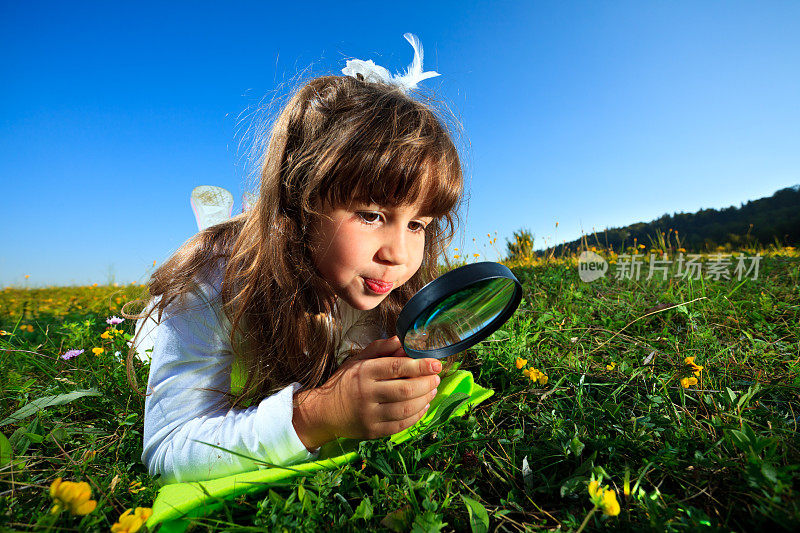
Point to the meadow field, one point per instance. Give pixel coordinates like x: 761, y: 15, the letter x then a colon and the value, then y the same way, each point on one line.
x: 621, y: 404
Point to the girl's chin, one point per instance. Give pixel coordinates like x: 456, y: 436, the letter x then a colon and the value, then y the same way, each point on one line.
x: 364, y: 303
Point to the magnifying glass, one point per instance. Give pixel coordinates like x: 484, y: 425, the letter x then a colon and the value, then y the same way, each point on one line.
x: 458, y: 310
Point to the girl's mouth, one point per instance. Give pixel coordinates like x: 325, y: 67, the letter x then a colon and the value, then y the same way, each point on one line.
x: 378, y: 287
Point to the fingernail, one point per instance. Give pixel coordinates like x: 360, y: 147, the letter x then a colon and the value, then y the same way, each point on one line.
x: 436, y: 366
x: 435, y: 392
x: 426, y: 407
x: 438, y: 380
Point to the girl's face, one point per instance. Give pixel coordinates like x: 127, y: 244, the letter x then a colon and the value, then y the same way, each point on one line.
x: 357, y: 248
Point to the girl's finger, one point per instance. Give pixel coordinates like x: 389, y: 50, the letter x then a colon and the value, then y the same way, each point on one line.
x: 390, y: 428
x: 388, y: 412
x: 380, y: 348
x: 402, y: 390
x: 387, y: 368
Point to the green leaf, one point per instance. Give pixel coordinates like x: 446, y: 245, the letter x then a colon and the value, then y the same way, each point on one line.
x: 448, y: 405
x: 276, y: 499
x: 430, y: 450
x: 739, y: 438
x: 576, y: 446
x: 731, y: 394
x: 34, y: 438
x: 572, y: 485
x: 769, y: 472
x: 47, y: 401
x: 478, y: 517
x: 398, y: 520
x: 59, y: 434
x: 499, y: 335
x: 364, y: 510
x: 427, y: 522
x: 5, y: 450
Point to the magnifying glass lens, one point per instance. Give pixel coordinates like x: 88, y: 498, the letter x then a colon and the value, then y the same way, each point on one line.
x: 461, y: 315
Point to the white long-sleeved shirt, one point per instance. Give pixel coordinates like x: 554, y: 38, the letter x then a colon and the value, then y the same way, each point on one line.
x: 191, y: 351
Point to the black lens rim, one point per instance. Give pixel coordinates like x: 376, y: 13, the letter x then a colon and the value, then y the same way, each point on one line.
x: 443, y: 287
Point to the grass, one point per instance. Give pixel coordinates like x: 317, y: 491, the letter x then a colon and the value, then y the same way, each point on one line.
x: 721, y: 455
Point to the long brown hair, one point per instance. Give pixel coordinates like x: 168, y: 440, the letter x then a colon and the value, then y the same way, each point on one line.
x: 338, y: 139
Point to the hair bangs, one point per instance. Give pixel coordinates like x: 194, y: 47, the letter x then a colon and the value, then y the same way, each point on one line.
x: 424, y: 171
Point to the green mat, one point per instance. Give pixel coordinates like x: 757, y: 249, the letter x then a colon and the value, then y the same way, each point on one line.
x: 178, y: 501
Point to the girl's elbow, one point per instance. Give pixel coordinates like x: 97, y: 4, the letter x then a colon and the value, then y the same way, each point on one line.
x: 159, y: 466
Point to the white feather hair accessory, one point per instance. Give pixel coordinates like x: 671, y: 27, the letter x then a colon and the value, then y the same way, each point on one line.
x: 371, y: 72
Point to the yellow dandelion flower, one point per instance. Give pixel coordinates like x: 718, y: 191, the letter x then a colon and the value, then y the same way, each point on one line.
x: 135, y: 486
x: 521, y: 362
x: 456, y: 256
x: 132, y: 520
x: 603, y: 498
x: 611, y: 365
x: 97, y: 351
x: 688, y: 382
x: 27, y: 276
x: 476, y: 255
x: 594, y: 488
x: 542, y: 378
x: 695, y: 367
x: 682, y: 250
x: 29, y: 328
x: 75, y: 497
x: 642, y: 246
x: 610, y: 503
x: 105, y: 335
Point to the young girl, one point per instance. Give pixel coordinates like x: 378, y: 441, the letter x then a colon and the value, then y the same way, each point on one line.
x: 360, y: 186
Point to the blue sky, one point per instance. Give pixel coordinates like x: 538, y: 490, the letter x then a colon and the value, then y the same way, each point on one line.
x: 590, y: 114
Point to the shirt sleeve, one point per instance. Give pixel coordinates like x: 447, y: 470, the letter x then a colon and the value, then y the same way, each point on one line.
x: 192, y: 353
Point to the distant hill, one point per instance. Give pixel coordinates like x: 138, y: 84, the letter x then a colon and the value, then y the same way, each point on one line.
x: 770, y: 220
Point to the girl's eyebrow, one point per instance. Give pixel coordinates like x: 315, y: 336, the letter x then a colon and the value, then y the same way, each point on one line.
x: 371, y: 205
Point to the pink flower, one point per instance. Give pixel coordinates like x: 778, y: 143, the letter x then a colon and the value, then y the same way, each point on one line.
x: 114, y: 320
x: 70, y: 354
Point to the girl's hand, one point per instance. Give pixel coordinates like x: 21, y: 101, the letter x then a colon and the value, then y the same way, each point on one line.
x: 378, y: 392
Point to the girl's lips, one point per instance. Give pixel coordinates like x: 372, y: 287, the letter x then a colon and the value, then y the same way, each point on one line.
x: 377, y: 286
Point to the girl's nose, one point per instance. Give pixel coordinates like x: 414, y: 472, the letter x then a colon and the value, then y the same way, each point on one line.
x: 394, y: 248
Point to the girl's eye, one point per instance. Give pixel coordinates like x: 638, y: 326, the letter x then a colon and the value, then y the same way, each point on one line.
x: 366, y: 214
x: 420, y: 227
x: 367, y: 217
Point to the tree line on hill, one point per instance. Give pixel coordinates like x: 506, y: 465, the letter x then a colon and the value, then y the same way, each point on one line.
x: 774, y: 220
